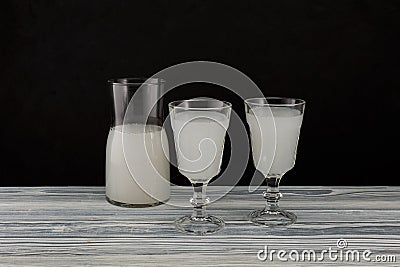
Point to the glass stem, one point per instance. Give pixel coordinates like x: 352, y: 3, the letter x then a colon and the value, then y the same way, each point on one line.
x: 199, y: 200
x: 272, y: 194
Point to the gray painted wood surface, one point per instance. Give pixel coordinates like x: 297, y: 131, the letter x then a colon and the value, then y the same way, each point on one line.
x: 75, y: 226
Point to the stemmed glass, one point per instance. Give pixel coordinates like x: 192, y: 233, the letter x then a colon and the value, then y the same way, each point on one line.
x: 199, y: 126
x: 274, y: 124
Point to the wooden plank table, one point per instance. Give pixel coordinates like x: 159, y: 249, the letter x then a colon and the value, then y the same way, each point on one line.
x: 75, y: 226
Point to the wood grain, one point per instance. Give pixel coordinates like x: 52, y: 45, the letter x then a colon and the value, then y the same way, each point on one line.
x: 75, y: 226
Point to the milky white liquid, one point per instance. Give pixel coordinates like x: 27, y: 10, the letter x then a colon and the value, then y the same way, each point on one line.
x: 264, y: 138
x: 148, y: 181
x: 199, y: 143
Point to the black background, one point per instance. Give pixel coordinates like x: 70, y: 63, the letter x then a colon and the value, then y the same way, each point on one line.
x: 342, y: 57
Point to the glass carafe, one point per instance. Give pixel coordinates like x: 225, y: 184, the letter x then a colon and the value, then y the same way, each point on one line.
x: 137, y: 168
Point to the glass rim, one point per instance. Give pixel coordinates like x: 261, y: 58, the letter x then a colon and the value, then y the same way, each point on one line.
x: 297, y: 101
x: 135, y: 81
x: 174, y: 104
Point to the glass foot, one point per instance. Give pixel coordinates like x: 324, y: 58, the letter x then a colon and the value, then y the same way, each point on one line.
x: 199, y: 226
x: 272, y: 218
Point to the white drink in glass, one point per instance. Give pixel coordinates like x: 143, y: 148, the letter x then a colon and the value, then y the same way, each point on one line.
x: 140, y: 148
x: 274, y: 152
x: 200, y: 137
